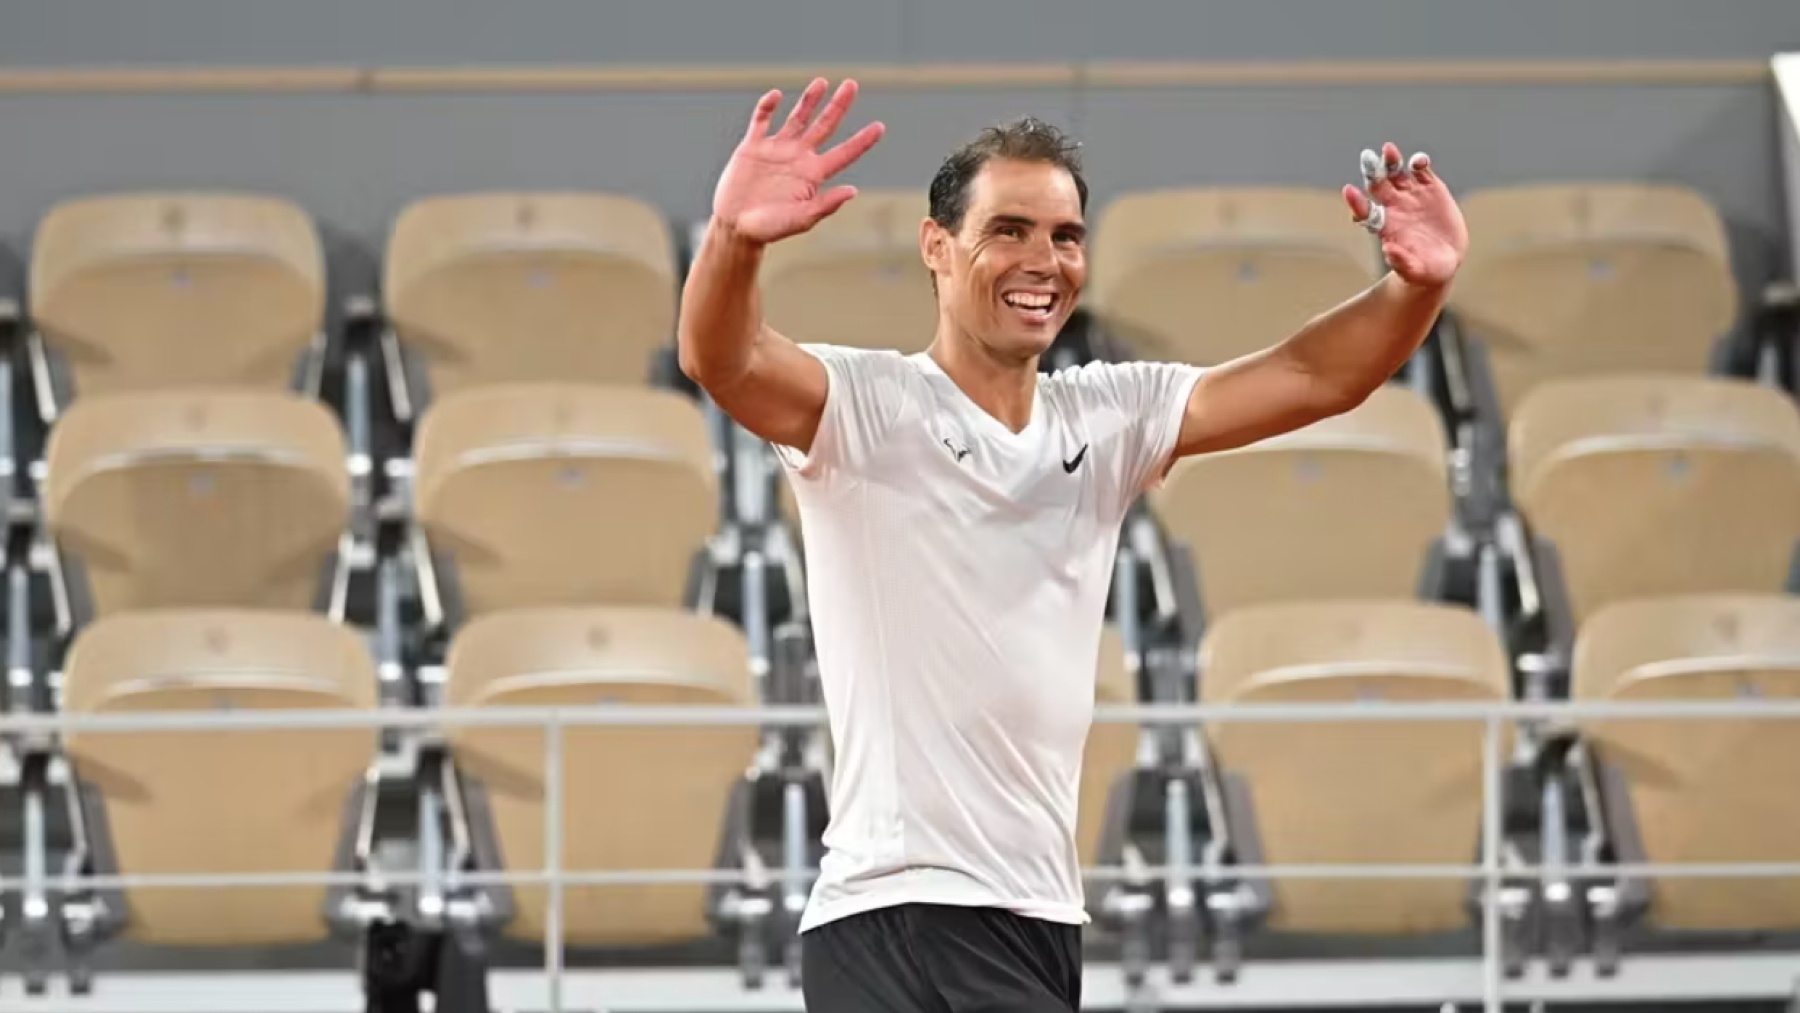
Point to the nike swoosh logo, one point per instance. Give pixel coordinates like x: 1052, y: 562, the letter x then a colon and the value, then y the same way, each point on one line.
x: 1070, y: 465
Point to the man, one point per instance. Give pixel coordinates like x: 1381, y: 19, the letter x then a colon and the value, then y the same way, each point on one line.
x: 961, y: 514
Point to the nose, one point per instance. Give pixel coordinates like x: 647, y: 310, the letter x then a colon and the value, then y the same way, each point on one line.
x: 1039, y: 256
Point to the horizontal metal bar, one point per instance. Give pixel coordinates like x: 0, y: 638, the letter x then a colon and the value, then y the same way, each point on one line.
x: 1104, y: 873
x: 1383, y: 983
x: 631, y: 715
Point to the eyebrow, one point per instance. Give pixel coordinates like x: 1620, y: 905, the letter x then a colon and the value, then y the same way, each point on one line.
x: 1076, y: 227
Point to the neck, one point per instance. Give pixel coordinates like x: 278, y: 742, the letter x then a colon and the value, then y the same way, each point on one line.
x: 1002, y: 388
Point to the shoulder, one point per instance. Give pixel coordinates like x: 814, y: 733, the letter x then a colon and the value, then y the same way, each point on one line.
x: 1119, y: 387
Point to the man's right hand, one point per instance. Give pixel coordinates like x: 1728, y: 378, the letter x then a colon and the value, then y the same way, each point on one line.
x: 774, y: 185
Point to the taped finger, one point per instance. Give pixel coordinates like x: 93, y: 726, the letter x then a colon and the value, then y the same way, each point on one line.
x: 1377, y: 218
x: 1372, y: 169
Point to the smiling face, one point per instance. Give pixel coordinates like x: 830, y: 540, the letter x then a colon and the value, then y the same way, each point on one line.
x: 1009, y: 277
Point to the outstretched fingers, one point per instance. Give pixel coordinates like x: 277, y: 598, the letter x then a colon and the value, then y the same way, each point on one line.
x: 828, y: 202
x: 833, y: 116
x: 802, y: 112
x: 762, y: 115
x: 1420, y: 165
x: 839, y: 157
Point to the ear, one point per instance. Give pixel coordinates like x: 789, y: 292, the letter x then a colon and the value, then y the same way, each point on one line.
x: 934, y: 246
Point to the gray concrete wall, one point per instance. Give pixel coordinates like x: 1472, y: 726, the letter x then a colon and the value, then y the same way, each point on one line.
x: 354, y: 159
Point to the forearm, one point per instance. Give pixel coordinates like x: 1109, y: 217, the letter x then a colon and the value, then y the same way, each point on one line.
x: 1354, y: 348
x: 721, y: 312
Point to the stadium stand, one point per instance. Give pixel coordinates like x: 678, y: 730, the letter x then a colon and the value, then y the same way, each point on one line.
x: 1355, y: 506
x: 219, y: 801
x: 489, y: 288
x: 1354, y: 793
x: 1569, y: 280
x: 139, y: 291
x: 485, y: 489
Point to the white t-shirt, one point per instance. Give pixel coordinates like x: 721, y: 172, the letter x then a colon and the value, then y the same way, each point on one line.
x: 958, y: 575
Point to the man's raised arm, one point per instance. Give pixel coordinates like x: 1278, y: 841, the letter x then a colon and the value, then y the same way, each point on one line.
x: 1340, y: 357
x: 773, y: 188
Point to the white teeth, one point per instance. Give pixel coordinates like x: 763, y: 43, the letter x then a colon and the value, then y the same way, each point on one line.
x: 1028, y: 301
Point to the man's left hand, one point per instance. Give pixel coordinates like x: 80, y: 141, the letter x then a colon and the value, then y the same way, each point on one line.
x: 1421, y: 228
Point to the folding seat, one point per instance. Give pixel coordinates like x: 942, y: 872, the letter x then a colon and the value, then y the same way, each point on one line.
x: 568, y: 532
x: 217, y: 801
x: 564, y: 494
x: 137, y: 291
x: 1203, y: 275
x: 856, y: 278
x: 1647, y: 485
x: 1350, y: 792
x: 1696, y: 789
x: 1353, y: 506
x: 1574, y: 279
x: 198, y: 497
x: 496, y: 288
x: 633, y: 797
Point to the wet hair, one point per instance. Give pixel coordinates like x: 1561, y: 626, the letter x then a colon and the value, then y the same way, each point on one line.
x: 1025, y: 140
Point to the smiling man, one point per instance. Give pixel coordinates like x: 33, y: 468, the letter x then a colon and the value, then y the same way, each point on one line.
x: 961, y: 512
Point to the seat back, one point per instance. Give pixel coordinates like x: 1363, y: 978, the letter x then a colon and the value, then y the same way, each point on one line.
x: 146, y: 290
x: 1112, y: 747
x: 513, y: 287
x: 559, y: 494
x: 1653, y: 485
x: 198, y: 497
x: 221, y: 801
x: 635, y: 797
x: 1358, y: 792
x: 1579, y: 279
x: 857, y: 278
x: 1711, y: 789
x: 1346, y: 507
x: 1204, y: 275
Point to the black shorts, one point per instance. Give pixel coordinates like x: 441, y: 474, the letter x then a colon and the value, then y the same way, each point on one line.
x: 929, y: 958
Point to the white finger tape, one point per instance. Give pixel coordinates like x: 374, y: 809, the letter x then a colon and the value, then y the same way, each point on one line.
x: 1377, y: 218
x: 1372, y: 169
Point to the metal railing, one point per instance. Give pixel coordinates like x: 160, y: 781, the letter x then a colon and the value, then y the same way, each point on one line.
x: 555, y: 721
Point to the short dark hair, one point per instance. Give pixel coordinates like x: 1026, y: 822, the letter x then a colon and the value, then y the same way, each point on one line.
x: 1028, y: 140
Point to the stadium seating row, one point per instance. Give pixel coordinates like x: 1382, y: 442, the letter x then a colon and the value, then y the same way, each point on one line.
x: 1560, y: 280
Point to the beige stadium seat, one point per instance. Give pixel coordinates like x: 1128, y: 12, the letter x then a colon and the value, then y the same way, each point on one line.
x: 198, y: 498
x: 857, y: 278
x: 269, y: 801
x: 146, y: 290
x: 1360, y: 792
x: 509, y: 287
x: 634, y: 797
x: 1111, y: 747
x: 1651, y: 485
x: 566, y: 494
x: 1712, y: 790
x: 1346, y: 507
x: 1208, y: 274
x: 1577, y: 279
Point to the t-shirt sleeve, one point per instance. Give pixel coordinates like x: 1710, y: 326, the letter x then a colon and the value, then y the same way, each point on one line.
x: 1150, y: 401
x: 866, y: 393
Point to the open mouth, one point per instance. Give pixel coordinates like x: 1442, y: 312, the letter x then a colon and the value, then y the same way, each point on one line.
x: 1034, y: 307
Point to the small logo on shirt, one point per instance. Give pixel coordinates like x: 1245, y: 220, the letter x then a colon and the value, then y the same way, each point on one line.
x: 1072, y: 463
x: 957, y: 452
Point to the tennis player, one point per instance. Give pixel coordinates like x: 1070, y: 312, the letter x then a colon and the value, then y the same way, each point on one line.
x: 960, y: 516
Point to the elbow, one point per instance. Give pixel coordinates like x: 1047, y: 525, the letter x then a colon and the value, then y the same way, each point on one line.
x: 700, y: 361
x: 1333, y: 399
